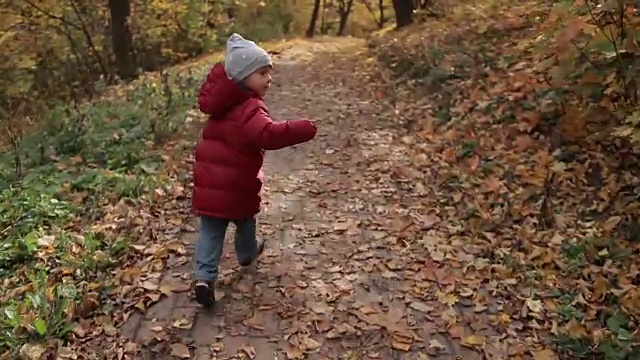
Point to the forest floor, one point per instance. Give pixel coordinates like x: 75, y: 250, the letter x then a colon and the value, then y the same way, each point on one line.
x: 431, y: 218
x: 339, y: 278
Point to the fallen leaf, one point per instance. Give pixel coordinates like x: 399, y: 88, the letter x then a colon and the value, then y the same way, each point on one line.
x: 166, y: 289
x: 147, y: 285
x: 473, y: 340
x: 534, y: 305
x: 182, y: 324
x: 600, y: 287
x: 401, y: 343
x: 422, y: 307
x: 545, y: 354
x: 436, y: 345
x: 32, y: 351
x: 293, y: 353
x: 109, y: 330
x: 181, y: 287
x: 448, y: 299
x: 309, y: 344
x: 575, y: 330
x: 456, y: 331
x: 249, y: 351
x: 180, y: 351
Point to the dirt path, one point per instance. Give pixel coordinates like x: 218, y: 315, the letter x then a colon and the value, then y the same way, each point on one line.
x: 337, y: 280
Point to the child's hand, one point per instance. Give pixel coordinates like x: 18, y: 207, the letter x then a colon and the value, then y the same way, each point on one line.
x: 308, y: 129
x: 267, y: 134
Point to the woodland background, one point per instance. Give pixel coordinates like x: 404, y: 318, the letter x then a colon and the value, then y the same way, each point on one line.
x: 64, y: 49
x: 93, y: 97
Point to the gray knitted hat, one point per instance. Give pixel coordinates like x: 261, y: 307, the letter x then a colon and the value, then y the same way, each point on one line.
x: 243, y: 58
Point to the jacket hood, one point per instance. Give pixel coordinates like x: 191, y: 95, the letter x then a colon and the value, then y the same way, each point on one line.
x: 219, y: 94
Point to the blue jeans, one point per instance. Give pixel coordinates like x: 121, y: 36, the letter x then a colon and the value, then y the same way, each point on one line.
x: 211, y: 242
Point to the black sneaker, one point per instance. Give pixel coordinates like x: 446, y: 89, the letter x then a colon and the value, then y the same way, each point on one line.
x: 250, y: 261
x: 204, y: 294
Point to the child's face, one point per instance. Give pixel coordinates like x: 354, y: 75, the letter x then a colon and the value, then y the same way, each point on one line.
x: 259, y: 80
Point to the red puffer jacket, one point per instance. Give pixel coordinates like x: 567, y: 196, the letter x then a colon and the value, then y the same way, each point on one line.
x: 227, y: 179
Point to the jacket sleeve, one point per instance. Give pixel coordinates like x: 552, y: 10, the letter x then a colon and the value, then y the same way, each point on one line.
x: 261, y: 131
x: 204, y: 98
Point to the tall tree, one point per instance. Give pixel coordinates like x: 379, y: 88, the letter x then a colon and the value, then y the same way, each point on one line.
x: 344, y: 9
x: 404, y: 11
x: 311, y: 30
x: 121, y: 38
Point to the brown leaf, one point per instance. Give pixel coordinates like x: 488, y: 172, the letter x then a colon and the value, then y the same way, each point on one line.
x: 180, y: 351
x: 456, y: 331
x: 422, y: 307
x: 32, y: 351
x: 147, y: 285
x: 600, y: 287
x: 545, y: 354
x: 611, y: 223
x: 401, y: 343
x: 66, y: 353
x: 256, y: 321
x: 109, y: 330
x: 333, y: 334
x: 180, y: 287
x: 575, y: 330
x: 293, y: 353
x: 244, y: 286
x: 249, y: 351
x: 309, y: 344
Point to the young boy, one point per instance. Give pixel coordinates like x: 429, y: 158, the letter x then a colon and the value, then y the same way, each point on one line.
x: 228, y: 174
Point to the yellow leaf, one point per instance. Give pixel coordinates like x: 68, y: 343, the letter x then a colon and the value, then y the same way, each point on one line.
x: 473, y: 340
x: 6, y: 36
x: 504, y: 318
x: 448, y: 299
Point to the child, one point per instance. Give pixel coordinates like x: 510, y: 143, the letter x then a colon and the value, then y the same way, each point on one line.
x: 228, y: 174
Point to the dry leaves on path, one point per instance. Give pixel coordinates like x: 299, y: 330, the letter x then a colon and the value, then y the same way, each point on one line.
x: 535, y: 213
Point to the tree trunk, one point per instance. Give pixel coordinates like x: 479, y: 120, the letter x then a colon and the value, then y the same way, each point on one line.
x: 345, y: 10
x: 121, y: 38
x: 323, y: 12
x: 314, y: 18
x: 379, y: 19
x: 404, y: 11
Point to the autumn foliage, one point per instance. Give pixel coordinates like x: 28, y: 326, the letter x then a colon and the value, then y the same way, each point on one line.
x: 532, y: 123
x: 507, y: 167
x: 58, y: 48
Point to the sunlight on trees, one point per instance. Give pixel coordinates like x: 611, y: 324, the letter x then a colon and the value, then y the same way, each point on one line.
x: 525, y: 115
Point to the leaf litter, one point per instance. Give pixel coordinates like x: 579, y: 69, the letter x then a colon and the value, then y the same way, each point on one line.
x: 429, y: 243
x: 535, y: 228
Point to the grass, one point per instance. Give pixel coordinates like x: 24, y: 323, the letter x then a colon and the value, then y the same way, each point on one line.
x: 64, y: 224
x: 92, y: 171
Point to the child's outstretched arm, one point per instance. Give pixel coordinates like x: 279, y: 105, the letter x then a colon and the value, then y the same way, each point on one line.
x: 267, y: 134
x: 206, y: 101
